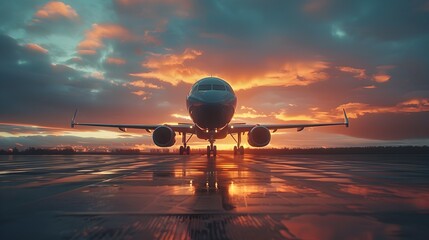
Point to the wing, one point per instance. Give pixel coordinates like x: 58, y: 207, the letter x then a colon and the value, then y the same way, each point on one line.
x: 181, y: 127
x: 236, y: 128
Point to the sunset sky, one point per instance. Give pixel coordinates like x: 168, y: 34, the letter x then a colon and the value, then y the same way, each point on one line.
x: 134, y: 61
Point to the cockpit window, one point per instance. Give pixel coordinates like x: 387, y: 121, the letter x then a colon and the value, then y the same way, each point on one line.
x: 219, y: 87
x: 204, y: 87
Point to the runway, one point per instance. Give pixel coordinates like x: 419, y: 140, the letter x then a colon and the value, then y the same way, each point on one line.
x: 192, y: 197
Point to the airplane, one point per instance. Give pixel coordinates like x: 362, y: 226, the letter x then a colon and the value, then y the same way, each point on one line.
x: 211, y: 104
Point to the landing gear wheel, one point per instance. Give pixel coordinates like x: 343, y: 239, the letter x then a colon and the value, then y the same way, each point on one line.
x: 181, y: 150
x: 214, y: 151
x: 241, y: 150
x: 188, y: 150
x: 208, y: 151
x: 235, y: 150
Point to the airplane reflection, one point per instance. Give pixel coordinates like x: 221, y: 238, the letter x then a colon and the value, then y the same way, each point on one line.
x: 213, y: 182
x: 216, y: 185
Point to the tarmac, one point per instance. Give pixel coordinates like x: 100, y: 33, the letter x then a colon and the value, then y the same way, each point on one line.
x: 195, y: 197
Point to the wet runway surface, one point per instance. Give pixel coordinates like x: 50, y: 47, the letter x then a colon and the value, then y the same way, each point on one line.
x: 192, y: 197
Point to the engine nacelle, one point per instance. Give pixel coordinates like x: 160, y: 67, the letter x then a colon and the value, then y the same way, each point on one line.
x: 164, y: 136
x: 259, y: 136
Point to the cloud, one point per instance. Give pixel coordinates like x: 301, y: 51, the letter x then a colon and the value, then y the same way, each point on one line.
x: 187, y: 67
x: 98, y: 33
x: 381, y: 76
x: 115, y: 61
x: 181, y: 116
x: 355, y: 110
x: 56, y: 10
x: 248, y: 113
x: 172, y: 68
x: 54, y: 17
x: 290, y: 74
x: 36, y: 47
x: 143, y: 84
x: 357, y: 72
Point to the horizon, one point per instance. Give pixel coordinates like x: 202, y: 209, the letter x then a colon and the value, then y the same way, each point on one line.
x: 135, y: 61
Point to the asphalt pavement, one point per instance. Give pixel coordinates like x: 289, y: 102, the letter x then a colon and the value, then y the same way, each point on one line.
x: 193, y: 197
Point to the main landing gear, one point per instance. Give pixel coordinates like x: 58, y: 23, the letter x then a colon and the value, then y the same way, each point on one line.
x: 238, y: 150
x: 212, y: 148
x: 185, y: 149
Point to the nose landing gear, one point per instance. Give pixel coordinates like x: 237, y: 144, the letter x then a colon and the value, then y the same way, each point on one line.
x: 212, y: 148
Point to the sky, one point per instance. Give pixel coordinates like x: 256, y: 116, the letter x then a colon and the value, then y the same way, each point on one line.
x: 134, y: 61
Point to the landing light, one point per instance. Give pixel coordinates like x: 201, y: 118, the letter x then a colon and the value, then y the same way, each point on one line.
x: 215, y: 130
x: 191, y: 127
x: 207, y: 130
x: 232, y: 126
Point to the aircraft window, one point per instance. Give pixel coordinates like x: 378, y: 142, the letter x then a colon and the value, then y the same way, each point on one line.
x: 204, y: 87
x: 219, y: 87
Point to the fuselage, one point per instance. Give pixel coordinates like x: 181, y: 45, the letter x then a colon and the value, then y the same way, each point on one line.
x: 211, y: 104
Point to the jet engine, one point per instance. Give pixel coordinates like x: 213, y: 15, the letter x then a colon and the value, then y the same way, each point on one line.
x: 259, y: 136
x: 164, y: 136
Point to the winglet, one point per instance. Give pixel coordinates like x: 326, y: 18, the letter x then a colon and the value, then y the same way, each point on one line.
x: 346, y: 119
x: 73, y: 119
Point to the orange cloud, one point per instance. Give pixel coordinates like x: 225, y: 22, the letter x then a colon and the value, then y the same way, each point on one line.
x: 145, y: 95
x: 55, y: 10
x: 381, y: 76
x: 355, y: 110
x: 115, y: 61
x: 95, y: 36
x: 287, y: 118
x: 143, y: 84
x: 159, y: 60
x: 290, y: 74
x: 248, y: 113
x: 315, y: 115
x: 358, y: 72
x: 139, y: 93
x: 181, y: 116
x: 36, y: 47
x: 86, y: 52
x: 172, y: 68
